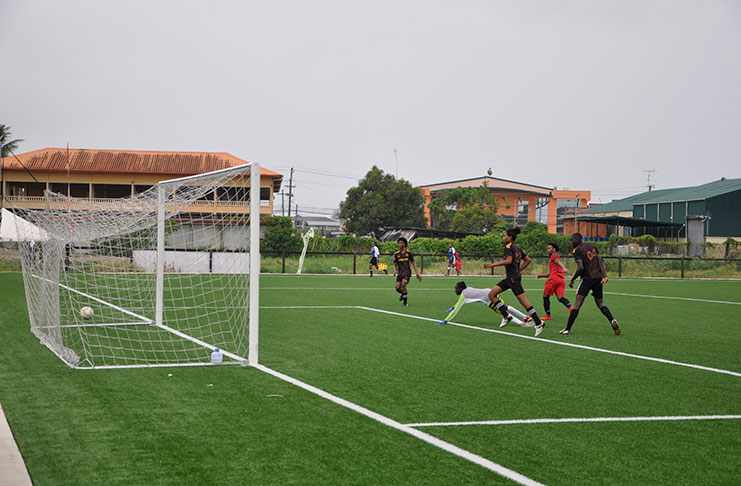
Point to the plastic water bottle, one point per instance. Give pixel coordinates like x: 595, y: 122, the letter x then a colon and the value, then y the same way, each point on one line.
x: 217, y: 356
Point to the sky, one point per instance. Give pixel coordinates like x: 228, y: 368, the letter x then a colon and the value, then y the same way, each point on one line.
x: 577, y: 94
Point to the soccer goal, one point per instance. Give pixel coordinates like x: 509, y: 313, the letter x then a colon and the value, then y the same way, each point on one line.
x: 161, y: 278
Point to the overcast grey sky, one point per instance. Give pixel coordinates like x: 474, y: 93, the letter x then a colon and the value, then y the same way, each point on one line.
x: 582, y: 94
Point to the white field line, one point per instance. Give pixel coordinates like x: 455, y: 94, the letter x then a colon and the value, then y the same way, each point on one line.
x: 446, y: 446
x: 690, y: 299
x: 561, y: 343
x: 308, y: 307
x: 107, y: 324
x: 578, y: 420
x: 199, y: 342
x: 145, y: 319
x: 160, y: 365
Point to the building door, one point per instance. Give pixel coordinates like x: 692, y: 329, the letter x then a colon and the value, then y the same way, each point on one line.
x: 696, y: 235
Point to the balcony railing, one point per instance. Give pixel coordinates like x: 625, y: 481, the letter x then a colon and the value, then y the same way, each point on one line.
x: 37, y: 199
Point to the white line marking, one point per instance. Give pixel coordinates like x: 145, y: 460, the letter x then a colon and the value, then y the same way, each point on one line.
x: 675, y: 298
x: 145, y: 319
x: 577, y: 420
x: 107, y: 324
x: 561, y: 343
x: 159, y: 365
x: 446, y: 446
x: 308, y: 307
x: 198, y: 341
x: 690, y: 299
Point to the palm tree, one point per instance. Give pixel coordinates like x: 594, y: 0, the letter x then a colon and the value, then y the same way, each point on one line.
x: 6, y: 144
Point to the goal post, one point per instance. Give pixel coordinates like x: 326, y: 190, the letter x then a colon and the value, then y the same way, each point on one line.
x: 171, y: 273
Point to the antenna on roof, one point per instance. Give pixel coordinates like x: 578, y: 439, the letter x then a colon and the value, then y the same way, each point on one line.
x: 649, y: 173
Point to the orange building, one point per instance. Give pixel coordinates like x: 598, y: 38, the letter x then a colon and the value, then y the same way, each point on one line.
x: 518, y: 201
x: 110, y: 174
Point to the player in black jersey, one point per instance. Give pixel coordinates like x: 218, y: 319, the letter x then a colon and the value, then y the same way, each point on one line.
x: 515, y: 261
x: 593, y: 277
x: 402, y: 261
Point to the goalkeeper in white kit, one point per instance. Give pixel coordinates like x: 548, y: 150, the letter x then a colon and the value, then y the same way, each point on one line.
x: 470, y: 294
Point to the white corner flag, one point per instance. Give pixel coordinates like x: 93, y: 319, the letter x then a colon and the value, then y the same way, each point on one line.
x: 307, y: 236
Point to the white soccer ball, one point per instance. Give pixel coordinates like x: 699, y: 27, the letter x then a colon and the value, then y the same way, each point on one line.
x: 86, y: 312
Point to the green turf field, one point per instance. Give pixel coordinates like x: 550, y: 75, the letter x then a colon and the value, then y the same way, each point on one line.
x: 243, y: 426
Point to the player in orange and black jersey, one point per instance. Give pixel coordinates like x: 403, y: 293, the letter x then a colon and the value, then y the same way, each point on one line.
x: 403, y: 261
x: 593, y: 277
x: 515, y: 261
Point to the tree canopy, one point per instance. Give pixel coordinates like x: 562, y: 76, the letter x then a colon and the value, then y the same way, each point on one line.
x: 466, y: 209
x: 382, y: 201
x: 6, y: 144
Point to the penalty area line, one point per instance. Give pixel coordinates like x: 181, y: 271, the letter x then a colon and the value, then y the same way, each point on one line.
x: 441, y: 444
x: 579, y: 420
x: 561, y: 343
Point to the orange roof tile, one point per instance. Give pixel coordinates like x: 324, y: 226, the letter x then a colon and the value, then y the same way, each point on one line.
x: 127, y: 162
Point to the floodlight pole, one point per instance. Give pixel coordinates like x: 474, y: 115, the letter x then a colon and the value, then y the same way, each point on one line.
x: 254, y: 300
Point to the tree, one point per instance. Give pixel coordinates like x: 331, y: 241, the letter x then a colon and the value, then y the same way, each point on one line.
x: 475, y: 209
x: 7, y: 145
x: 381, y: 201
x: 279, y: 236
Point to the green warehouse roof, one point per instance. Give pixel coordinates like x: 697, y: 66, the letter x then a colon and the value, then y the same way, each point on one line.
x: 695, y: 193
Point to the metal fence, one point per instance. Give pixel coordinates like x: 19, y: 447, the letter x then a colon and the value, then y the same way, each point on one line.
x: 433, y: 264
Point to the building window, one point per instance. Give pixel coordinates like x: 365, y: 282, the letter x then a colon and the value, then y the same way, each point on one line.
x: 75, y: 190
x: 111, y: 190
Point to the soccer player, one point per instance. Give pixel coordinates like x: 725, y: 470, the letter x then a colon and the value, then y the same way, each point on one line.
x: 515, y: 261
x: 468, y: 295
x: 402, y: 262
x: 452, y: 260
x: 556, y: 283
x: 375, y: 253
x: 593, y: 277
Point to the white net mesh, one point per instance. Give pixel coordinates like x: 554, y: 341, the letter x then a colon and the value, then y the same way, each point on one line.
x: 151, y: 306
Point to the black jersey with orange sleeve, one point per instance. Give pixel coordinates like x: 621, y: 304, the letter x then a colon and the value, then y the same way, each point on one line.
x: 403, y: 260
x: 513, y: 268
x: 588, y: 255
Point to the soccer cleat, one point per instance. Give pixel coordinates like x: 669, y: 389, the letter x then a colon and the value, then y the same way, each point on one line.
x: 564, y: 331
x: 406, y: 305
x: 505, y: 321
x: 615, y: 327
x: 546, y: 317
x: 539, y: 329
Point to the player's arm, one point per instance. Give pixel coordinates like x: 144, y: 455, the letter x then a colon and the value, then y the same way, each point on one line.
x: 506, y: 261
x: 544, y: 275
x: 579, y: 271
x: 602, y: 269
x: 416, y: 272
x: 525, y: 263
x: 396, y: 266
x: 453, y: 310
x: 560, y: 264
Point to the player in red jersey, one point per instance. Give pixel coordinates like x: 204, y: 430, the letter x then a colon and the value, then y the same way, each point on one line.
x: 556, y: 283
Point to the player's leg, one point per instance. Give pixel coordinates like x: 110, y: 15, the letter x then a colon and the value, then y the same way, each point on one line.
x: 547, y: 305
x: 497, y: 305
x: 530, y: 310
x: 404, y: 284
x: 605, y: 310
x: 581, y: 293
x: 560, y: 292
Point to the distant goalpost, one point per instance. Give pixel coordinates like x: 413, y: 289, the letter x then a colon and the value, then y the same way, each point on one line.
x: 170, y: 273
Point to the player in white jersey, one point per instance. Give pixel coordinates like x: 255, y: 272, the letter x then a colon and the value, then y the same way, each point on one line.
x: 470, y: 294
x: 375, y: 253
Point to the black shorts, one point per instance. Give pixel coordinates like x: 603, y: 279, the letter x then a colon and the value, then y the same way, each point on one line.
x: 399, y: 278
x: 515, y: 285
x: 593, y: 284
x: 374, y: 261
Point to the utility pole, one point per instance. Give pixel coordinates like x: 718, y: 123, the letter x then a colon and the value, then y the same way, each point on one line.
x: 649, y: 173
x: 290, y: 192
x: 282, y: 203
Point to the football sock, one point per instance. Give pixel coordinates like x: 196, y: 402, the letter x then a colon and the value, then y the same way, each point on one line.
x: 448, y: 274
x: 572, y: 318
x: 607, y: 313
x: 547, y: 304
x: 565, y: 301
x: 534, y: 315
x: 499, y: 306
x: 404, y: 296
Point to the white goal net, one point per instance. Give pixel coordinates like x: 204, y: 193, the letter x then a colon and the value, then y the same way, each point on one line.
x: 160, y: 278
